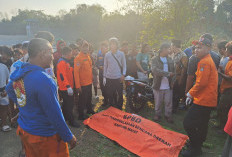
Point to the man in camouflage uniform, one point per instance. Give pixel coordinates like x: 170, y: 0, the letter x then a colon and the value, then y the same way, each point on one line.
x: 181, y: 64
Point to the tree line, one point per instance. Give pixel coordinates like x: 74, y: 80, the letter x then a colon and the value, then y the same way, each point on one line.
x: 136, y: 22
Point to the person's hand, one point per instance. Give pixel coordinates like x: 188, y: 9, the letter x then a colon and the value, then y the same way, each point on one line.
x: 104, y: 81
x: 122, y: 78
x: 79, y: 90
x: 72, y: 143
x: 70, y: 91
x: 3, y: 94
x: 189, y: 99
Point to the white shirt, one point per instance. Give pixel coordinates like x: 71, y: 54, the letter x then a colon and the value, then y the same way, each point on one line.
x: 4, y: 75
x: 164, y: 82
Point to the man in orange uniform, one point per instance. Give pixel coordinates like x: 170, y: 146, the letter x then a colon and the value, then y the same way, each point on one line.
x: 226, y: 88
x: 83, y: 80
x: 65, y: 83
x: 204, y: 95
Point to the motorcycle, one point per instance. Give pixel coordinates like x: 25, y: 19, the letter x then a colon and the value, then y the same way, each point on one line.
x: 138, y: 93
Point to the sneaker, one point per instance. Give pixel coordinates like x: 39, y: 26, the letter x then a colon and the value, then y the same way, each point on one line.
x: 6, y: 128
x: 97, y: 97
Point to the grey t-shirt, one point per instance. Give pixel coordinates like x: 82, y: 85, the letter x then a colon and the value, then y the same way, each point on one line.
x: 111, y: 67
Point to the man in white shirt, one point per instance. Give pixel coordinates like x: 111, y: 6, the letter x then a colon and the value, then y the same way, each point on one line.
x: 163, y: 72
x: 4, y: 100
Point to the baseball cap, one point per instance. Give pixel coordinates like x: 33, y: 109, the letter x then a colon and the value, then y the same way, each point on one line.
x: 205, y: 39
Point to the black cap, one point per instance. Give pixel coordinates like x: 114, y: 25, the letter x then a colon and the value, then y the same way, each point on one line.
x: 205, y: 39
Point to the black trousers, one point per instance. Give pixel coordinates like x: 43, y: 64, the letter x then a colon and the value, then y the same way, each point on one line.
x: 224, y: 106
x: 67, y: 106
x: 196, y: 124
x: 178, y: 93
x: 85, y: 100
x: 103, y: 88
x: 114, y: 88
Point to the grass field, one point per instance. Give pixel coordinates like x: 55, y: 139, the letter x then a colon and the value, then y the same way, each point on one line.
x: 93, y: 144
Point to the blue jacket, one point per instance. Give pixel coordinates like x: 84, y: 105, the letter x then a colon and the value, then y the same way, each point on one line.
x: 35, y: 92
x: 188, y: 52
x: 100, y: 60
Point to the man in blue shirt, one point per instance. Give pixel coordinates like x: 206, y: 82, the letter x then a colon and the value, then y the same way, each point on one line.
x: 42, y: 127
x: 100, y: 66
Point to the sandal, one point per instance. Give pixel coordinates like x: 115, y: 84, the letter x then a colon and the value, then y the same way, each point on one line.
x: 6, y: 128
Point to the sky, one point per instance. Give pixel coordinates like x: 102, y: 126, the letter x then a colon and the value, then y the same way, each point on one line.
x: 52, y: 6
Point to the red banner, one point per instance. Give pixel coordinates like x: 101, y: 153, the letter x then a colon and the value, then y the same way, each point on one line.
x: 137, y: 134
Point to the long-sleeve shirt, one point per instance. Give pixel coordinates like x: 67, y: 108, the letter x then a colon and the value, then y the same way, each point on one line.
x: 100, y: 61
x: 83, y: 74
x: 111, y: 68
x: 204, y: 92
x: 64, y: 74
x: 35, y: 92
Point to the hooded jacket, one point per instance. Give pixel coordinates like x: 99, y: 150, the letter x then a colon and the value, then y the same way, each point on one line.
x: 35, y: 92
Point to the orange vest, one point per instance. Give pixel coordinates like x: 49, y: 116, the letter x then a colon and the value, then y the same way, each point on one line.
x: 64, y: 74
x: 204, y: 92
x: 83, y: 70
x: 227, y: 83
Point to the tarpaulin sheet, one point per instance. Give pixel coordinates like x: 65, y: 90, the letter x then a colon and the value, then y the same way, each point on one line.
x: 137, y: 134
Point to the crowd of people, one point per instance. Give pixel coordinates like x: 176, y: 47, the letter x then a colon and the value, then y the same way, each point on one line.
x: 30, y: 74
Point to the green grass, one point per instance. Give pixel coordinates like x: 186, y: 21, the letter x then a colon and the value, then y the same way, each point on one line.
x: 94, y: 144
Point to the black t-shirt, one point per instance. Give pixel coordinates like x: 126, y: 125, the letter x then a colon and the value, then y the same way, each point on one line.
x: 193, y: 61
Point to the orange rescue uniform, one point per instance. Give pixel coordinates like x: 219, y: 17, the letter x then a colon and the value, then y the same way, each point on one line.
x: 204, y: 92
x: 83, y: 70
x: 39, y: 146
x: 227, y: 83
x: 64, y: 75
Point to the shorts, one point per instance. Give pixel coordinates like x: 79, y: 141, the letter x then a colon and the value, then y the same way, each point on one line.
x: 4, y: 101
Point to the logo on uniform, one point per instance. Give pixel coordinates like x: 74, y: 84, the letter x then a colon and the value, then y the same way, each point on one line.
x: 20, y: 92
